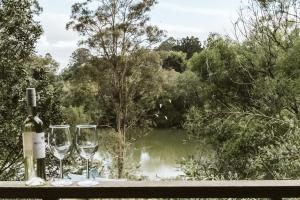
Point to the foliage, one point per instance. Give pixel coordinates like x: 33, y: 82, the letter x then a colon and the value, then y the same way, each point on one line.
x: 167, y: 45
x: 250, y: 110
x: 76, y: 115
x: 248, y: 145
x: 20, y: 68
x: 42, y: 75
x: 187, y: 45
x: 180, y: 91
x: 220, y: 69
x: 81, y: 98
x: 175, y: 60
x: 18, y: 34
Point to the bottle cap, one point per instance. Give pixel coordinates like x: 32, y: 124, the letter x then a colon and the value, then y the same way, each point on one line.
x: 31, y: 97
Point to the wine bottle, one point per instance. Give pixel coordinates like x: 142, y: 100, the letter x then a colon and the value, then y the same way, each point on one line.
x: 33, y: 143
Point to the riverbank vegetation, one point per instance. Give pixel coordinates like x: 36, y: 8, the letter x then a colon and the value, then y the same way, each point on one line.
x: 241, y: 95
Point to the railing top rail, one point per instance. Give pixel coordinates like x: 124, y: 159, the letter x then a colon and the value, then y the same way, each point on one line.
x: 158, y: 189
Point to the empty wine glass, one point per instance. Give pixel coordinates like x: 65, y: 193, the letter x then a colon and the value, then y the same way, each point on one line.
x: 59, y: 141
x: 86, y: 145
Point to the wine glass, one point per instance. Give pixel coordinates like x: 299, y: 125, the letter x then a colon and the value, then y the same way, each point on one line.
x: 86, y: 145
x: 59, y: 141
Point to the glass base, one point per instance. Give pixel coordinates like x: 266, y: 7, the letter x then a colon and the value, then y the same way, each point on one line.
x: 61, y: 182
x: 87, y: 183
x: 35, y: 181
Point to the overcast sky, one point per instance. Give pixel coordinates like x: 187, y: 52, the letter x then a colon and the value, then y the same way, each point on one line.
x: 179, y: 18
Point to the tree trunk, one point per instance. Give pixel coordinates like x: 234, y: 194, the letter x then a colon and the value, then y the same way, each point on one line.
x: 121, y: 151
x: 121, y: 130
x: 121, y: 155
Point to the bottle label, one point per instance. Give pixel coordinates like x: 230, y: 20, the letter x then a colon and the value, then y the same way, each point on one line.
x: 39, y: 146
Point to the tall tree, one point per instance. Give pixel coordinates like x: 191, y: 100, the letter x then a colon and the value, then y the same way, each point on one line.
x: 116, y: 30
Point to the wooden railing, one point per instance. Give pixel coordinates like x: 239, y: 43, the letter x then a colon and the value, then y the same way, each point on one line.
x: 276, y: 189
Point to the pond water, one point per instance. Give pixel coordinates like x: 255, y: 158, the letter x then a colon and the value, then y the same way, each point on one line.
x: 159, y: 151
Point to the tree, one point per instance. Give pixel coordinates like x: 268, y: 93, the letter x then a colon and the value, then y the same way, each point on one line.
x: 181, y: 91
x: 81, y: 85
x: 79, y: 58
x: 220, y: 68
x: 41, y: 71
x: 167, y: 45
x: 18, y: 34
x: 116, y: 30
x: 271, y: 30
x: 251, y: 102
x: 188, y: 45
x: 175, y: 61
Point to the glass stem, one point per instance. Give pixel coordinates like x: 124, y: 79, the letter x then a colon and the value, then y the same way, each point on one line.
x: 61, y: 173
x: 87, y: 169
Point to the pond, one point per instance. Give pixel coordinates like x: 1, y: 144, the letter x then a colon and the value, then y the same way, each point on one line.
x: 159, y: 151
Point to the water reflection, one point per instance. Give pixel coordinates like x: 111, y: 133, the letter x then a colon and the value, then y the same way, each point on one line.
x: 144, y: 156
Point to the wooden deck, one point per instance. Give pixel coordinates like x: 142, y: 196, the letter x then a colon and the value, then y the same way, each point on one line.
x: 275, y: 189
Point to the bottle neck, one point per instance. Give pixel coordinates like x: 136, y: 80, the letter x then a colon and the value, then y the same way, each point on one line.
x: 32, y: 110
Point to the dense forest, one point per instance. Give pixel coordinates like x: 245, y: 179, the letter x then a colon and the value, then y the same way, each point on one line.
x: 240, y: 94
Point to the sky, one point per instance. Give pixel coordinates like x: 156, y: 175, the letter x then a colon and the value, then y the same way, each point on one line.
x: 179, y: 18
